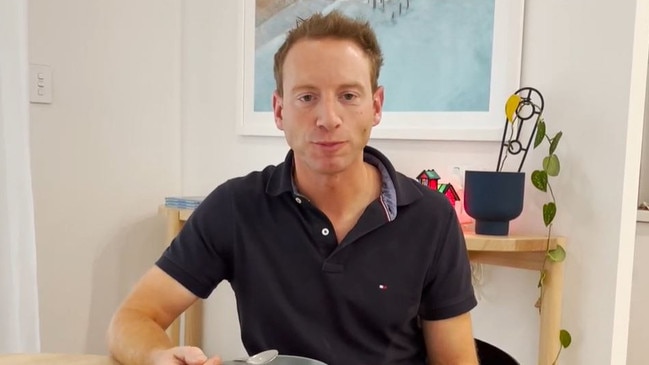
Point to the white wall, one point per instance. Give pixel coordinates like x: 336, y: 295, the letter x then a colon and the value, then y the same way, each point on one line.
x: 587, y: 97
x: 643, y: 188
x: 639, y: 317
x: 104, y: 155
x: 638, y: 329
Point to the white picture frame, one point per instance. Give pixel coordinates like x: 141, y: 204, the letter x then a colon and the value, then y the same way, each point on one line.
x: 411, y: 125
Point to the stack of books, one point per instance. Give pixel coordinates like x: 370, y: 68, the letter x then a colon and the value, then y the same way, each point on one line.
x: 183, y: 202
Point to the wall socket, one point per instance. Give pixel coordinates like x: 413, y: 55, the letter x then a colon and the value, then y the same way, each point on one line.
x: 40, y: 84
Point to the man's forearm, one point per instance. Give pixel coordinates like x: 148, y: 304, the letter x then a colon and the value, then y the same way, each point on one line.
x: 133, y: 338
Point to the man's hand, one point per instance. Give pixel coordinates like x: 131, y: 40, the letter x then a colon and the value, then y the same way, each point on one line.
x: 183, y: 355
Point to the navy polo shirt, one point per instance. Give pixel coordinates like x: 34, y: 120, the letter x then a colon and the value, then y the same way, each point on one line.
x: 301, y: 292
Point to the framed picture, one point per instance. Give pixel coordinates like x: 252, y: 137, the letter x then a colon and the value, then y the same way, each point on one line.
x: 449, y: 65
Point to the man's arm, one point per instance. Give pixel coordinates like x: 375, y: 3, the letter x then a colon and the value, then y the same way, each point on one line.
x: 450, y: 341
x: 136, y: 334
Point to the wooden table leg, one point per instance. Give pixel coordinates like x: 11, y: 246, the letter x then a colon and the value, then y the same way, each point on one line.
x: 549, y: 343
x: 173, y: 227
x: 173, y: 331
x: 194, y: 325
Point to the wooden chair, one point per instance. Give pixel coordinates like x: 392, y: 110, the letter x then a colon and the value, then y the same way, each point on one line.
x: 489, y: 354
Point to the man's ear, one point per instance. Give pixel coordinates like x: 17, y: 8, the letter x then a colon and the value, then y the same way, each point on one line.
x: 377, y: 98
x: 278, y: 110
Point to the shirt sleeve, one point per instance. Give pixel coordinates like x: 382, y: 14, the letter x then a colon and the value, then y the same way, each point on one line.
x: 199, y: 257
x: 448, y: 291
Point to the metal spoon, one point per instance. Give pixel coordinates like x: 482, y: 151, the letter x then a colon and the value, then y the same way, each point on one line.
x: 261, y: 358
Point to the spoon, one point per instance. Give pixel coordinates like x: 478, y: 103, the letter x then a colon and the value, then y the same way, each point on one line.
x: 261, y: 358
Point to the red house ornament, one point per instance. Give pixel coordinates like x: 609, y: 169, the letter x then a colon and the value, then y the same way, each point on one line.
x: 449, y: 191
x: 430, y: 178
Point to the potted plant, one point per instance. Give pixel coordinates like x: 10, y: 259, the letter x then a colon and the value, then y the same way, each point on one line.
x: 495, y: 197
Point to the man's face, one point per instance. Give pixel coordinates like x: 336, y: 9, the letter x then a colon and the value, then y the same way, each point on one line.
x: 327, y: 109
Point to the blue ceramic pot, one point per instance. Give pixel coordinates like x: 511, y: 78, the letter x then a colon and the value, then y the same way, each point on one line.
x: 493, y: 199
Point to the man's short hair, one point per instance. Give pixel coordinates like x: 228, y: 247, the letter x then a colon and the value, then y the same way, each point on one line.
x: 337, y: 26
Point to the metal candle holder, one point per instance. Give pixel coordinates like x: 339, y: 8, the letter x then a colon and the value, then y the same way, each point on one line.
x: 530, y: 107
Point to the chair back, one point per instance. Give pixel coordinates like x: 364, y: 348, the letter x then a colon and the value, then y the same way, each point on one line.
x: 489, y: 354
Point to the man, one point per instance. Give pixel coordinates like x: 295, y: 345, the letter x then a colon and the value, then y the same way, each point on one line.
x: 332, y: 254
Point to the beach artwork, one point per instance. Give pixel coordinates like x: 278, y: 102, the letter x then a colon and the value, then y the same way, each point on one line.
x: 448, y: 64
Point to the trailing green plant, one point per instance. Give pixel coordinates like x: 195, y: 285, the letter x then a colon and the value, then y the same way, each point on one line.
x: 541, y: 179
x: 523, y: 108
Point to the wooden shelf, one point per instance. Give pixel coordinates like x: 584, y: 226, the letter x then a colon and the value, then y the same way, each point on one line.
x: 521, y: 252
x: 643, y: 215
x: 477, y: 242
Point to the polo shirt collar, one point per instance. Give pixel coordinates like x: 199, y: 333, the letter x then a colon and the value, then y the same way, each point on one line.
x: 281, y: 180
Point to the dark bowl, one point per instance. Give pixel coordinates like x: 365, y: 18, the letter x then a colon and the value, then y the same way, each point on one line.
x: 294, y: 360
x: 284, y: 360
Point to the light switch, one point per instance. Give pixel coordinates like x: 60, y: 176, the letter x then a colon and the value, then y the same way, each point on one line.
x: 40, y: 84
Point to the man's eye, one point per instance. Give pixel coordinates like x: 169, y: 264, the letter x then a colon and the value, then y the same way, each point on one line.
x: 349, y: 96
x: 306, y: 98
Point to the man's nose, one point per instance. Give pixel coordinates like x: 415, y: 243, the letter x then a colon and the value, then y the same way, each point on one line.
x: 329, y: 113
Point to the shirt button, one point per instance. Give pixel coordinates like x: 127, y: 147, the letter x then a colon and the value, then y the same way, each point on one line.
x: 298, y: 200
x: 325, y: 231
